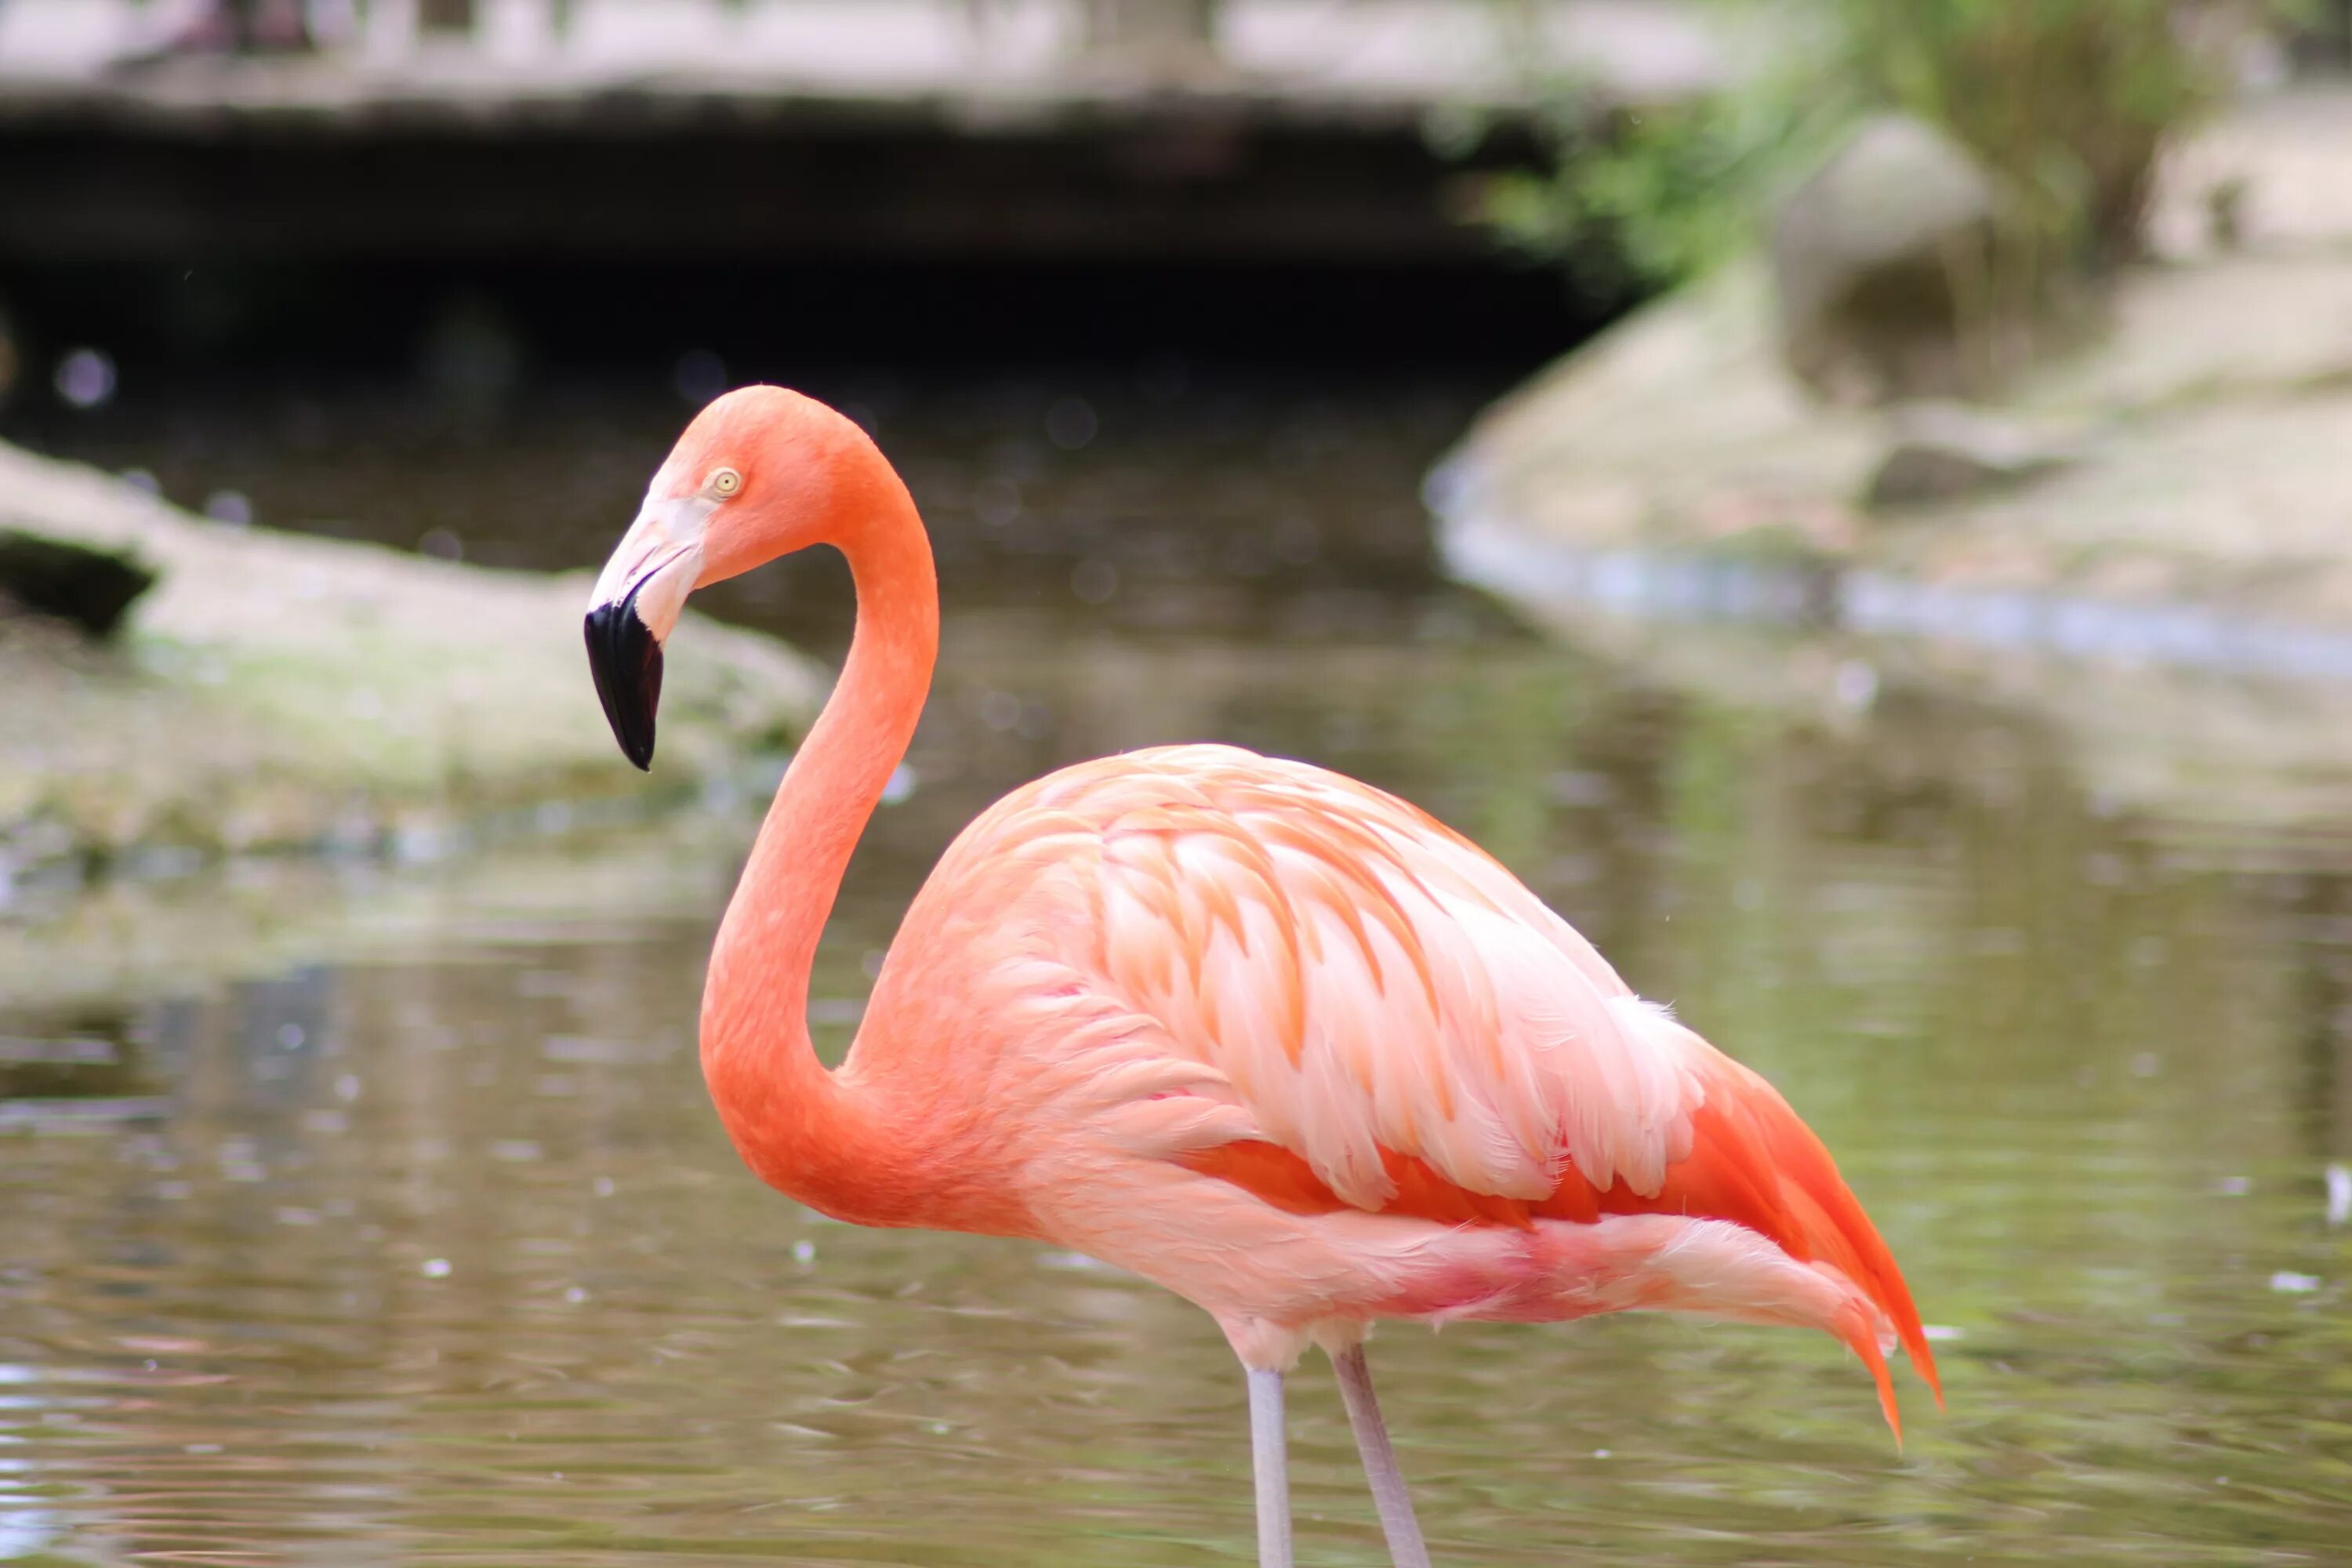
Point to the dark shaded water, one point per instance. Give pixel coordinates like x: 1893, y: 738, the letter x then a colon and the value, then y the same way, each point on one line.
x: 413, y: 1238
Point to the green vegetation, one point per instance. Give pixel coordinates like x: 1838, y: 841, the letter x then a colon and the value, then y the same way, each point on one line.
x: 1643, y: 199
x: 2068, y: 102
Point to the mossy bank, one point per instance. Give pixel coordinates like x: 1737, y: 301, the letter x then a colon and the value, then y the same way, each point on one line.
x: 272, y: 691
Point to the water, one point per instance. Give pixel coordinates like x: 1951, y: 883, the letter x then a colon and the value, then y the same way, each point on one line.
x: 382, y: 1218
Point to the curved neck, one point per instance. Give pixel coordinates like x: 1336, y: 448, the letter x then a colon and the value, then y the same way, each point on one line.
x: 797, y: 1125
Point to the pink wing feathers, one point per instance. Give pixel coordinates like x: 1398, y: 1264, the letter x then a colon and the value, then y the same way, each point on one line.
x: 1375, y: 1015
x: 1371, y: 982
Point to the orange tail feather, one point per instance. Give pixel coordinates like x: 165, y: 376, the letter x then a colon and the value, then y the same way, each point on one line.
x: 1830, y: 1225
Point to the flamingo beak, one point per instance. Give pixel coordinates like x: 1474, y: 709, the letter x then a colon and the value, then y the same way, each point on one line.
x: 626, y: 658
x: 631, y: 612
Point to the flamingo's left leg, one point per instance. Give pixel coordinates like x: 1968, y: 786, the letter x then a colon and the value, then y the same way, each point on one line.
x: 1269, y: 1458
x: 1389, y: 1496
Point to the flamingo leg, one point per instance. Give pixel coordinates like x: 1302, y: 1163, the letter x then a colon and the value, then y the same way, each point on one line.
x: 1389, y: 1496
x: 1271, y: 1462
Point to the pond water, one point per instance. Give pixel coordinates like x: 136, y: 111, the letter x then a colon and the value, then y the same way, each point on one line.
x: 364, y: 1212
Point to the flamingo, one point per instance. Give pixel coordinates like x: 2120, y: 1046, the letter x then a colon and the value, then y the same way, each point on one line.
x: 1256, y: 1032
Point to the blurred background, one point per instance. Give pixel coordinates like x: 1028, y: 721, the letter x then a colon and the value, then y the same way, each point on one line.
x: 1847, y: 498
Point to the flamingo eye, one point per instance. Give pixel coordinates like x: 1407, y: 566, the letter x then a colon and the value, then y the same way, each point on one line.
x: 725, y: 482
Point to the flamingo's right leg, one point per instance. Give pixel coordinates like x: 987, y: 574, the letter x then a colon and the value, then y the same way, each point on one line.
x: 1269, y: 1458
x: 1389, y: 1496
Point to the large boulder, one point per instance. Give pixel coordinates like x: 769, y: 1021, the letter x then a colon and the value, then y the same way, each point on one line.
x: 1879, y: 262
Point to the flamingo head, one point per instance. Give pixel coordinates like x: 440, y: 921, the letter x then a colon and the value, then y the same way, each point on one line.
x: 753, y: 477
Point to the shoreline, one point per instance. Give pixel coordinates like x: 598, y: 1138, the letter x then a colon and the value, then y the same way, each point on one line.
x: 2170, y: 575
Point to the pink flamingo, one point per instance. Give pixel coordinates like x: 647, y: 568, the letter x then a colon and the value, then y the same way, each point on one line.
x: 1266, y: 1036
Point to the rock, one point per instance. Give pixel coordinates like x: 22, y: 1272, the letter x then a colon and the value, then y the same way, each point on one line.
x: 90, y: 587
x: 2201, y: 438
x: 1942, y: 451
x: 1678, y: 427
x: 274, y: 690
x: 2233, y: 506
x: 1873, y: 257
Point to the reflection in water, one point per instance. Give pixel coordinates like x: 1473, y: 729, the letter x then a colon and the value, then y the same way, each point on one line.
x: 434, y: 1251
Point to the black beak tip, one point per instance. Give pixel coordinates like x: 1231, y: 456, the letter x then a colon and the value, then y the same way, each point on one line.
x: 626, y: 662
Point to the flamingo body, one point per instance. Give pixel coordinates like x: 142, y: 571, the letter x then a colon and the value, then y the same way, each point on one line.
x: 1264, y: 1035
x: 1288, y: 1046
